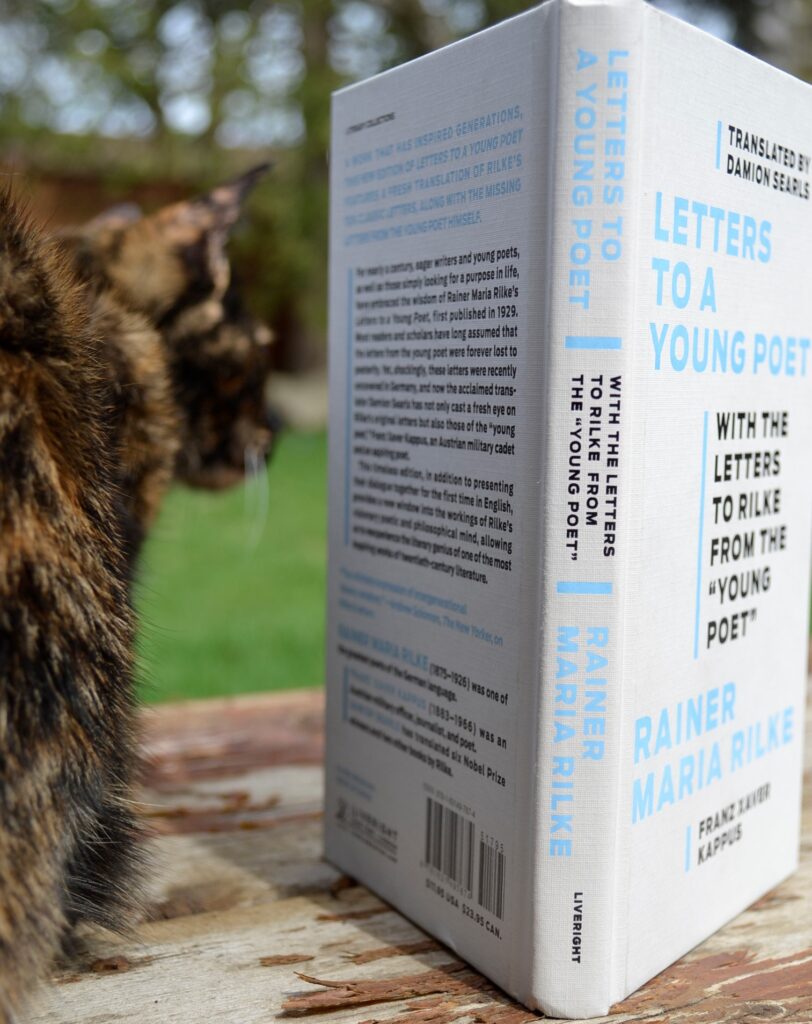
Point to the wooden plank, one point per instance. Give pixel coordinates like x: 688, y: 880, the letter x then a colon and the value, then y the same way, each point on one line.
x: 247, y: 923
x: 220, y: 738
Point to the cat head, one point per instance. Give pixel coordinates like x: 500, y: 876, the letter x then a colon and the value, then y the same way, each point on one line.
x: 172, y: 268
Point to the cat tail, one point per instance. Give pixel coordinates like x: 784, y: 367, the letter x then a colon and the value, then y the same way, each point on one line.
x: 68, y: 832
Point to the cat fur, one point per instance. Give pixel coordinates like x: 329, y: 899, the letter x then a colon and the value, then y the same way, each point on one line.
x: 125, y: 362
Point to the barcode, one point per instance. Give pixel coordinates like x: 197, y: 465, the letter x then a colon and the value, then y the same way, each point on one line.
x: 491, y: 888
x: 450, y: 843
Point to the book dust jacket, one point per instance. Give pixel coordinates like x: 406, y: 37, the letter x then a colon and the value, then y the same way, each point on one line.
x: 570, y: 484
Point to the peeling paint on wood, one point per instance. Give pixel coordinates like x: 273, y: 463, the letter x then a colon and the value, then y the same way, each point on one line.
x: 117, y: 964
x: 221, y: 738
x: 445, y: 1011
x: 339, y: 995
x: 384, y: 952
x: 102, y: 965
x: 242, y: 896
x: 773, y: 898
x: 355, y: 915
x: 459, y: 988
x: 715, y: 988
x: 284, y: 959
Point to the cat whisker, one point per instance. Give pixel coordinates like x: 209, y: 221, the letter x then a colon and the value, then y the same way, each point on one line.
x: 257, y: 494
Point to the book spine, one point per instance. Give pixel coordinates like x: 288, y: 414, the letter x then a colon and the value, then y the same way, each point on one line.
x: 585, y: 548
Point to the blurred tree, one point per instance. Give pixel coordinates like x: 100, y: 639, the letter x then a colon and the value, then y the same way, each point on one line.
x: 778, y: 31
x: 191, y: 90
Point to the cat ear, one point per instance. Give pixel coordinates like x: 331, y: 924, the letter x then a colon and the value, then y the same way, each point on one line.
x: 215, y: 211
x: 176, y: 257
x: 225, y: 201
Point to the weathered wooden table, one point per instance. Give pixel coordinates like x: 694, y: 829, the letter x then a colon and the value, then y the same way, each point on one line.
x: 248, y: 924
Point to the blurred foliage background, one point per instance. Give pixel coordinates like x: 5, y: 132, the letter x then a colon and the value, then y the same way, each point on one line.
x: 154, y: 100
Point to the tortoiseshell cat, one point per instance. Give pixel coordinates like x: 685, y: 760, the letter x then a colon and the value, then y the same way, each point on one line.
x: 125, y: 362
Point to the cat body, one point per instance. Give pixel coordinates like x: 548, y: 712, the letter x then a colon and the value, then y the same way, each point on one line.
x: 124, y: 364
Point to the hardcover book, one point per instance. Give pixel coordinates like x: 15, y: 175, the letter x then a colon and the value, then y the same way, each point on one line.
x: 570, y: 485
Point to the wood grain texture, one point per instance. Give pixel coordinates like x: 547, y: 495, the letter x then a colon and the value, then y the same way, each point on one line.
x: 248, y: 924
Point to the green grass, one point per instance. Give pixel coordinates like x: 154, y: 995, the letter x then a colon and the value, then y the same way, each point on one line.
x: 230, y: 602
